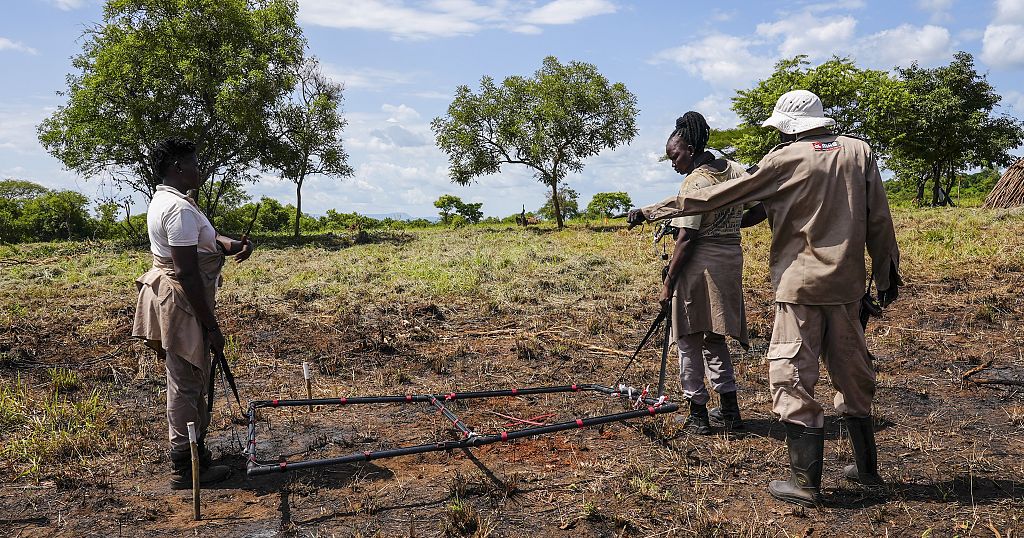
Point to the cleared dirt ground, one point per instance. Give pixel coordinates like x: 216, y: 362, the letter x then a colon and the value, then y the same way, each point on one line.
x: 84, y: 436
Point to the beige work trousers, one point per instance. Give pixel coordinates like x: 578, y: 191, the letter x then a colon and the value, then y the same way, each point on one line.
x: 186, y: 400
x: 802, y: 334
x: 700, y: 353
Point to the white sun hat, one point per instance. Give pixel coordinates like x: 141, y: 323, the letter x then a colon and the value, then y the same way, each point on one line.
x: 798, y: 111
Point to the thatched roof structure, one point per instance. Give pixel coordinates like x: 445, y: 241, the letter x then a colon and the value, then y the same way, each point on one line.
x: 1009, y: 190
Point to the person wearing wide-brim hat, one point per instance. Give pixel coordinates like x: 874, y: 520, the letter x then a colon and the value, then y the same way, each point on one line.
x: 825, y: 202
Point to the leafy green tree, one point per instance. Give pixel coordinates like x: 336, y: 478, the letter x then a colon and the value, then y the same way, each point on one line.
x: 10, y: 210
x: 448, y: 204
x: 566, y: 201
x: 17, y: 189
x: 549, y: 122
x: 273, y: 217
x: 56, y: 215
x: 210, y: 71
x: 223, y: 198
x: 968, y: 189
x: 347, y: 221
x: 308, y: 132
x: 951, y: 126
x: 472, y: 212
x: 606, y: 204
x: 451, y: 205
x: 864, y: 102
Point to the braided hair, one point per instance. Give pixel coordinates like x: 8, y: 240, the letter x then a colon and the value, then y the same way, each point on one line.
x: 692, y: 129
x: 167, y: 151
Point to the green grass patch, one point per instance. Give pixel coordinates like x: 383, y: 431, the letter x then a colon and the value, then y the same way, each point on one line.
x: 49, y: 432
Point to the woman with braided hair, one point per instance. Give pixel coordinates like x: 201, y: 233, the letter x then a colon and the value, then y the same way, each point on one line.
x: 704, y: 280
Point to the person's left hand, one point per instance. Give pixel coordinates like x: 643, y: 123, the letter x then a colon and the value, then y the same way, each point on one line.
x: 635, y: 217
x: 665, y: 296
x: 247, y: 248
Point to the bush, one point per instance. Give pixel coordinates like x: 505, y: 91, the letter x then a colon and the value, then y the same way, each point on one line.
x: 31, y: 212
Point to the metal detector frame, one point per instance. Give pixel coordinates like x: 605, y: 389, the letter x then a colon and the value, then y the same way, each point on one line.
x: 470, y: 439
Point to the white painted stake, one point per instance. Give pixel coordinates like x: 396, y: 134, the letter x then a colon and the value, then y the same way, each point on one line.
x: 309, y: 384
x: 194, y: 444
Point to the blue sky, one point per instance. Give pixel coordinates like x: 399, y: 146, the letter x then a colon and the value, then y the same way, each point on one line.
x: 400, y: 61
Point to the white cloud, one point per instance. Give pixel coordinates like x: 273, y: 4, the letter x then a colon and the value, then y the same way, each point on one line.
x: 722, y: 60
x: 7, y: 44
x: 970, y: 34
x: 716, y: 109
x: 422, y: 19
x: 938, y: 8
x: 804, y: 33
x: 398, y: 136
x: 18, y: 128
x: 443, y: 19
x: 367, y: 78
x: 430, y: 94
x: 568, y: 11
x: 400, y: 113
x: 526, y: 29
x: 906, y: 43
x: 1015, y: 100
x: 723, y: 16
x: 935, y: 5
x: 815, y: 6
x: 1003, y: 45
x: 67, y: 5
x: 1009, y: 12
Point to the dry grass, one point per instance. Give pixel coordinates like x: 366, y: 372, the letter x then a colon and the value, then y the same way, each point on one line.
x: 492, y: 307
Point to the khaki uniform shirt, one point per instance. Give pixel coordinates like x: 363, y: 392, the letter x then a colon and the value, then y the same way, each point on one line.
x: 723, y: 223
x: 708, y: 294
x: 825, y: 201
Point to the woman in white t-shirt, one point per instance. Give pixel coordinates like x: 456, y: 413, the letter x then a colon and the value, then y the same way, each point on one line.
x: 175, y: 309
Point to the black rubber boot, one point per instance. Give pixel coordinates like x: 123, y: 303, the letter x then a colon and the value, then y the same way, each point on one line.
x: 697, y: 422
x: 806, y: 450
x: 865, y: 453
x: 728, y: 415
x: 181, y: 467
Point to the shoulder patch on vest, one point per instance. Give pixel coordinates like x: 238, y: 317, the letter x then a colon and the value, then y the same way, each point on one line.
x: 826, y: 146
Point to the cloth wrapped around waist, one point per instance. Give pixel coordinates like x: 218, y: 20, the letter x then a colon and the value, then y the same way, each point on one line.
x: 164, y: 317
x: 709, y: 291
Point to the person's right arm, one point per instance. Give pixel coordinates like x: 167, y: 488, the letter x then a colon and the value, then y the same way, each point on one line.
x: 182, y: 228
x: 186, y: 270
x: 881, y: 238
x: 760, y: 185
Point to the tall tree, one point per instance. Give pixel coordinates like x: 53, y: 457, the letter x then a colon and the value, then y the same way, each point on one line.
x: 307, y: 130
x: 607, y: 204
x: 567, y: 202
x: 448, y: 204
x: 951, y: 126
x: 451, y: 205
x: 864, y: 102
x: 549, y: 122
x: 209, y: 71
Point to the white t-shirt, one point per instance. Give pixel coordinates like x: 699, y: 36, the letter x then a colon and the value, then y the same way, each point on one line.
x: 174, y: 221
